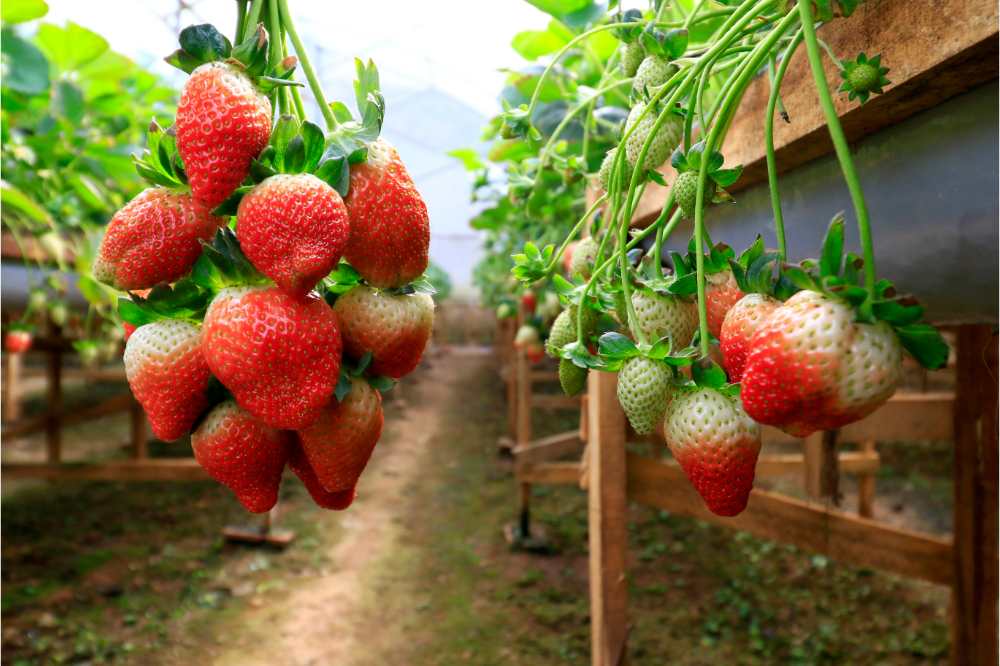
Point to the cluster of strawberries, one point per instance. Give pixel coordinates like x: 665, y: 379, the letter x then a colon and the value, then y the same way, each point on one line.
x: 266, y: 347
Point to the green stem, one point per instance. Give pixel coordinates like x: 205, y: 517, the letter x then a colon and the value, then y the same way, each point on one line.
x: 241, y: 17
x: 772, y: 169
x: 300, y: 51
x: 658, y: 245
x: 694, y: 12
x: 292, y: 91
x: 253, y: 18
x: 572, y: 234
x: 839, y: 143
x: 274, y: 52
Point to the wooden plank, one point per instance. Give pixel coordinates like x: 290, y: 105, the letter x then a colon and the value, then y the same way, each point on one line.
x: 841, y: 536
x: 12, y: 386
x: 851, y: 462
x: 555, y: 401
x: 522, y: 434
x: 118, y: 403
x: 866, y: 482
x: 166, y: 469
x: 812, y: 469
x: 550, y: 473
x: 929, y: 60
x: 54, y: 407
x: 548, y: 448
x: 544, y: 376
x: 608, y: 522
x: 974, y: 594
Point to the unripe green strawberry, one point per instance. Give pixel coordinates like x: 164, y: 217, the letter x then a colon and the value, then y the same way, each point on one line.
x: 644, y: 389
x: 604, y: 173
x: 58, y: 313
x: 653, y: 72
x: 526, y: 336
x: 716, y: 444
x: 863, y: 77
x: 563, y: 329
x: 686, y: 192
x: 584, y: 256
x: 631, y: 57
x: 667, y: 138
x: 572, y: 377
x: 658, y: 315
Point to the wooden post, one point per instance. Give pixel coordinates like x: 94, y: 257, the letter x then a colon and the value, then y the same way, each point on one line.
x: 812, y: 468
x: 866, y: 485
x: 522, y: 380
x: 974, y: 594
x: 12, y: 386
x: 608, y: 522
x: 139, y: 434
x: 53, y: 420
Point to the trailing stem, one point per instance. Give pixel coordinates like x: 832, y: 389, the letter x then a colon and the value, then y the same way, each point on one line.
x: 307, y: 68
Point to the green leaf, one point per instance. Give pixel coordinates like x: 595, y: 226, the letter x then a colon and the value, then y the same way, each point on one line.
x: 897, y: 313
x: 832, y: 255
x: 71, y: 47
x: 708, y: 374
x: 468, y: 157
x: 68, y: 101
x: 799, y: 277
x: 616, y: 346
x: 19, y: 11
x: 675, y: 43
x: 726, y: 177
x: 559, y: 8
x: 532, y: 44
x: 205, y: 43
x: 381, y: 384
x: 925, y: 344
x: 343, y: 385
x: 11, y: 197
x: 25, y: 68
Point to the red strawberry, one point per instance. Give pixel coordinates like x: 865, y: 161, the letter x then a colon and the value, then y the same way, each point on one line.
x: 243, y: 454
x: 738, y: 329
x: 390, y: 231
x: 129, y: 330
x: 17, y: 341
x: 339, y: 444
x: 529, y: 302
x: 223, y: 122
x: 155, y: 238
x: 395, y: 328
x: 168, y: 375
x: 293, y: 228
x: 323, y: 498
x: 277, y: 354
x: 535, y: 353
x: 716, y: 444
x: 812, y: 367
x: 721, y: 293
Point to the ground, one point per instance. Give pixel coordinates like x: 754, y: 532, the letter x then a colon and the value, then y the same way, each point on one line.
x: 417, y: 571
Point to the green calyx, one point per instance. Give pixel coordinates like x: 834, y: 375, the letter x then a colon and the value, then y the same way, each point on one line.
x: 863, y: 77
x: 688, y: 166
x: 757, y: 271
x: 160, y: 163
x: 614, y: 349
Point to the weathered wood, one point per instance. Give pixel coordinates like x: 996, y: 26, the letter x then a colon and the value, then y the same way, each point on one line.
x: 866, y: 482
x: 772, y: 516
x: 544, y: 376
x: 166, y: 469
x: 53, y: 424
x: 522, y: 434
x: 974, y: 594
x: 139, y: 434
x: 812, y: 469
x: 548, y: 448
x: 555, y: 401
x: 930, y: 60
x: 550, y: 473
x: 12, y: 386
x: 118, y: 403
x: 850, y: 462
x: 607, y: 522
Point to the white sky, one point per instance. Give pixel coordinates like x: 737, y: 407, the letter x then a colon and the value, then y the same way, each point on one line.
x: 440, y: 77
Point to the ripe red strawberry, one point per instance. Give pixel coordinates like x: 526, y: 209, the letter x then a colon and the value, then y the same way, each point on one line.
x: 17, y: 341
x: 395, y: 328
x: 243, y: 454
x: 279, y: 355
x: 155, y: 238
x: 339, y: 444
x: 535, y: 353
x: 812, y: 367
x: 223, y: 122
x: 129, y: 330
x: 529, y: 302
x: 390, y: 230
x: 738, y: 328
x: 337, y: 501
x: 721, y: 293
x: 168, y: 375
x: 293, y: 229
x: 716, y: 444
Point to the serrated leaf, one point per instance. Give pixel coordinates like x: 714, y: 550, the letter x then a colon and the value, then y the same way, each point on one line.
x: 726, y: 177
x: 832, y: 253
x: 205, y: 43
x: 798, y: 277
x: 708, y: 374
x: 925, y: 344
x: 616, y: 346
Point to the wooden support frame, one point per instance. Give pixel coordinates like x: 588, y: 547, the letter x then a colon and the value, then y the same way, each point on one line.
x: 968, y: 563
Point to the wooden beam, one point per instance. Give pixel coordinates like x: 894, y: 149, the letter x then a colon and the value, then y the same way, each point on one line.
x: 929, y: 60
x: 164, y: 469
x: 608, y: 520
x: 866, y: 482
x: 12, y: 386
x: 544, y: 376
x: 522, y: 433
x: 54, y: 406
x: 974, y: 595
x: 118, y: 403
x: 851, y: 462
x: 841, y: 536
x: 550, y: 473
x: 548, y: 448
x: 555, y: 401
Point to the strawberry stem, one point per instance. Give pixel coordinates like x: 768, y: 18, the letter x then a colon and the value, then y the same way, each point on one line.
x: 253, y: 18
x: 300, y: 51
x: 274, y: 53
x: 241, y: 18
x: 839, y: 143
x: 772, y: 169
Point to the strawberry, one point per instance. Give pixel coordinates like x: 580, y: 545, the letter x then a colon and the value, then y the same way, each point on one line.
x: 395, y: 328
x: 129, y: 330
x: 686, y: 192
x: 644, y: 389
x: 667, y: 138
x: 58, y: 313
x: 279, y: 355
x: 563, y: 329
x: 337, y: 501
x: 604, y: 172
x: 721, y: 293
x: 17, y: 341
x: 526, y: 336
x: 584, y: 256
x: 167, y: 373
x: 716, y: 444
x: 659, y: 315
x: 242, y: 454
x: 535, y: 353
x: 155, y: 238
x: 652, y: 72
x: 390, y: 230
x: 529, y: 302
x: 631, y: 57
x: 223, y: 122
x: 572, y: 378
x: 812, y: 367
x: 293, y: 229
x: 738, y: 328
x: 339, y: 444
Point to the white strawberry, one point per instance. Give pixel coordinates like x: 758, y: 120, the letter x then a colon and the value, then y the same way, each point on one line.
x: 644, y: 389
x: 659, y: 315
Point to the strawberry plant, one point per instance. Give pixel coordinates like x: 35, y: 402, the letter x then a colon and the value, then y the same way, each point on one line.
x: 274, y: 269
x: 807, y: 346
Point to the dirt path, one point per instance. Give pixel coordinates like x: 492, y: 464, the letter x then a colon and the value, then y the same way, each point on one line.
x: 318, y: 621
